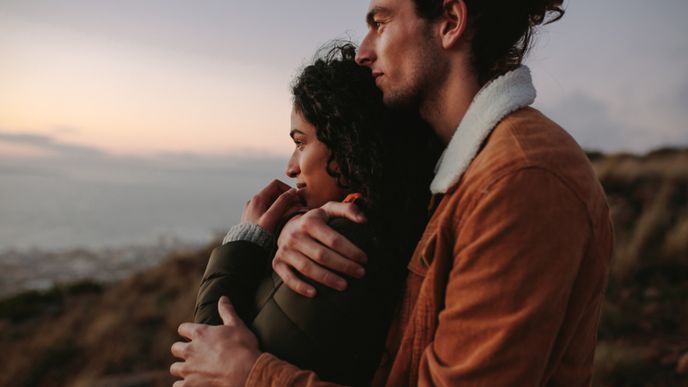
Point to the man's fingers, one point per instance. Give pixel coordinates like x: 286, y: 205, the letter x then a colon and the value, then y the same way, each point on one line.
x: 336, y: 242
x: 292, y: 281
x: 227, y: 312
x: 180, y: 349
x: 189, y: 330
x: 344, y: 210
x: 330, y: 259
x: 312, y: 270
x: 178, y: 369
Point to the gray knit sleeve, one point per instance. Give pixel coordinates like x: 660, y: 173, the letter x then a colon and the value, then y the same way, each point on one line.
x: 250, y: 233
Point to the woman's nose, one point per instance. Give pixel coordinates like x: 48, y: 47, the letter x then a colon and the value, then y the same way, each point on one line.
x: 292, y: 167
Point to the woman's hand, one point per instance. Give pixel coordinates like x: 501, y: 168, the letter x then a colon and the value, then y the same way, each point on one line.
x: 307, y: 244
x: 270, y: 205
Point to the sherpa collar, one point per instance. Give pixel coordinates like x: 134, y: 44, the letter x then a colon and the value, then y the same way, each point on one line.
x: 498, y: 98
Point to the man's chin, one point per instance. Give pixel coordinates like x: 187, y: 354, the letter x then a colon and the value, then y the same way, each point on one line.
x: 399, y: 101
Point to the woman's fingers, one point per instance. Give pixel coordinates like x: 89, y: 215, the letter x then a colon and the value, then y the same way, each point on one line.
x: 267, y: 196
x: 278, y: 209
x: 261, y: 202
x: 273, y: 190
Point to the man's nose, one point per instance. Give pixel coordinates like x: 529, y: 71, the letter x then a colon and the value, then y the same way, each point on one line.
x: 365, y: 55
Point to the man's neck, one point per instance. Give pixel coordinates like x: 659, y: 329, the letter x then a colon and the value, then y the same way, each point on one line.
x: 445, y: 109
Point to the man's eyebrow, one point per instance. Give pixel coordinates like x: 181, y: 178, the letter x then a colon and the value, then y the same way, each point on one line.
x: 376, y: 11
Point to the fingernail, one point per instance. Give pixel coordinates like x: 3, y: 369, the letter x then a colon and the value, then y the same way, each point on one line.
x: 224, y: 299
x: 360, y: 272
x: 310, y: 292
x: 340, y: 285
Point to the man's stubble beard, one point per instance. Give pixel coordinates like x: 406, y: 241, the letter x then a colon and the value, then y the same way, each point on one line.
x: 425, y: 77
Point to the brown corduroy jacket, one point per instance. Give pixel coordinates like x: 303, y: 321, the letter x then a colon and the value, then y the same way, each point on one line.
x: 506, y: 285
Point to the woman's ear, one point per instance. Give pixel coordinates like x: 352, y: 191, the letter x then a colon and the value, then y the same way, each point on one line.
x: 453, y: 22
x: 332, y: 166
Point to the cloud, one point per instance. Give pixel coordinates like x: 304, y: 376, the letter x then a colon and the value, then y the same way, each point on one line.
x: 84, y: 163
x: 682, y: 98
x: 50, y: 144
x: 591, y: 122
x: 68, y: 130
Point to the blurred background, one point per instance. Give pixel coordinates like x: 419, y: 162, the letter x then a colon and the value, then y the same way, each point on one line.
x: 132, y: 133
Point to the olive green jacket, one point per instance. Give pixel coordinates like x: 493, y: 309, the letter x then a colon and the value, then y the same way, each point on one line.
x: 339, y: 335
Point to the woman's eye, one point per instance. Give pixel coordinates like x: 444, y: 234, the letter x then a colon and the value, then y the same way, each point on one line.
x: 298, y: 144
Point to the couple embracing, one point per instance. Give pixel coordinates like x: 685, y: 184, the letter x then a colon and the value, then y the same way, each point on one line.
x: 393, y: 264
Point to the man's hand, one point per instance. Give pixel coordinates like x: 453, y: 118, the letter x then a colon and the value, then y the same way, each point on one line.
x: 270, y: 205
x: 215, y: 355
x: 308, y: 245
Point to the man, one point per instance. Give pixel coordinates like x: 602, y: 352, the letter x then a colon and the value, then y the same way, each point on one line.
x: 506, y: 285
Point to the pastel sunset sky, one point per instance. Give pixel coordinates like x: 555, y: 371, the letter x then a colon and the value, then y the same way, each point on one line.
x: 134, y: 77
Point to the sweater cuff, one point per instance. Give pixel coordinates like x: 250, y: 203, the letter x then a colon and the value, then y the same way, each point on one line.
x: 250, y: 233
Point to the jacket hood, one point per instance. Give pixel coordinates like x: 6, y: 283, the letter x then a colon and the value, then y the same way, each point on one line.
x: 501, y: 96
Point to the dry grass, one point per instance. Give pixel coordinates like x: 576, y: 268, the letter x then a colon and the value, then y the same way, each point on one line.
x: 85, y: 335
x: 120, y: 336
x: 644, y: 328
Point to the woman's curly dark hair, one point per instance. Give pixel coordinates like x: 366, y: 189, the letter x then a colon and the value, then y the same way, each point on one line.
x: 340, y: 99
x: 378, y: 152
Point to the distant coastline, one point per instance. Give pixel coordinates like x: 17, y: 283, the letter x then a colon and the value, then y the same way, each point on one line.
x: 41, y: 269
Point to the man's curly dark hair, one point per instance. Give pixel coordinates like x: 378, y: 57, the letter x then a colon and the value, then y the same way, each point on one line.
x: 378, y: 152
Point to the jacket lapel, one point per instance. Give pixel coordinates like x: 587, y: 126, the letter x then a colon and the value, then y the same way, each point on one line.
x: 501, y: 96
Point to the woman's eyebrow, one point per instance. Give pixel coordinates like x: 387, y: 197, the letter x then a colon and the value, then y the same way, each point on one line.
x: 293, y: 131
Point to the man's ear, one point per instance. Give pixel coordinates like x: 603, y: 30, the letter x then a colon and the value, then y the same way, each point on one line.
x: 453, y: 22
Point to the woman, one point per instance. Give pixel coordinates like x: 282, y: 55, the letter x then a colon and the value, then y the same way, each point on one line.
x: 348, y: 146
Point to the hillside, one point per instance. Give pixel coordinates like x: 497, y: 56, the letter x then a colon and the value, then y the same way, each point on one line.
x: 644, y: 329
x: 87, y: 334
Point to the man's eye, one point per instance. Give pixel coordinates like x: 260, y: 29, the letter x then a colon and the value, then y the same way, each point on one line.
x: 377, y: 24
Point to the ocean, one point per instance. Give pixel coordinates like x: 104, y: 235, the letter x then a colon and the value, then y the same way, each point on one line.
x: 99, y: 201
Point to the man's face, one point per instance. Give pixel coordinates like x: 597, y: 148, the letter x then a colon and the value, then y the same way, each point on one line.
x: 402, y: 52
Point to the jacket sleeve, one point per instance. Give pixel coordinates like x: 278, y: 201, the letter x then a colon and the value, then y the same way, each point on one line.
x: 234, y: 269
x: 339, y: 336
x: 516, y: 258
x: 269, y: 371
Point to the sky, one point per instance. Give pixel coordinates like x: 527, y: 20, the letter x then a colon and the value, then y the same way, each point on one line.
x: 123, y: 121
x: 151, y: 77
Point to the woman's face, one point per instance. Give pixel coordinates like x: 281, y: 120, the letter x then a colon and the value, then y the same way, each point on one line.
x: 308, y: 164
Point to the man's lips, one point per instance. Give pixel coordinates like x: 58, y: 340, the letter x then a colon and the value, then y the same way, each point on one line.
x: 300, y: 185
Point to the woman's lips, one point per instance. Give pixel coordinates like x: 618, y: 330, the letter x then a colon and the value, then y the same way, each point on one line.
x: 376, y: 77
x: 300, y: 185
